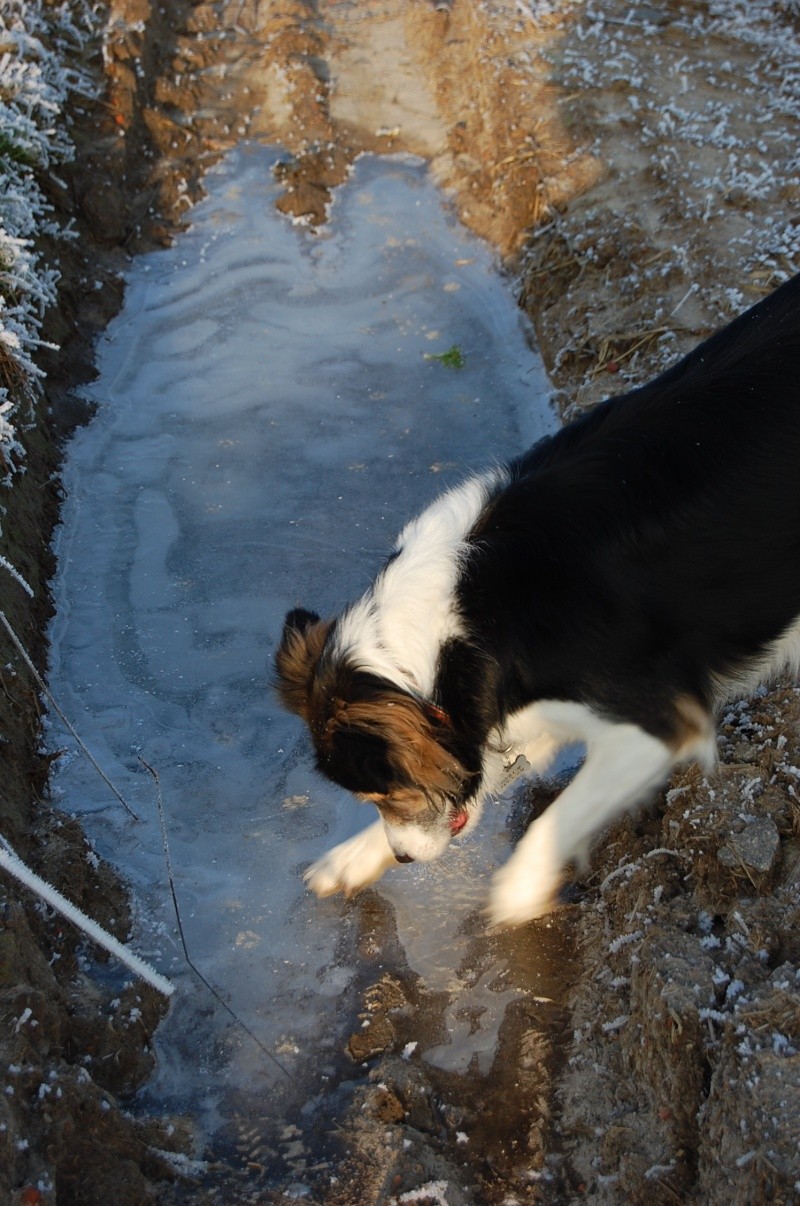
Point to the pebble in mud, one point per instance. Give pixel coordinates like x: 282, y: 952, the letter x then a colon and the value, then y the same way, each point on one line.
x: 378, y: 1033
x: 755, y: 852
x: 385, y: 1105
x: 377, y: 1037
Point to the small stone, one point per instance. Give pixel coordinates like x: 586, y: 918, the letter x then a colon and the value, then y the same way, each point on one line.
x: 755, y: 850
x: 374, y: 1040
x: 385, y: 1105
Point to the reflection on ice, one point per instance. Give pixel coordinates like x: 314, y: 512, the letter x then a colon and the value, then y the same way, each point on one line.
x: 269, y: 416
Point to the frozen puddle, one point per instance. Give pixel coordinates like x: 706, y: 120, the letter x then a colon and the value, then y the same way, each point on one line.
x: 268, y: 416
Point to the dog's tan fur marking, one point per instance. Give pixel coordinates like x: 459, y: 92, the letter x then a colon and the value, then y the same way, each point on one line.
x: 296, y: 662
x: 398, y: 807
x: 693, y: 726
x: 414, y: 751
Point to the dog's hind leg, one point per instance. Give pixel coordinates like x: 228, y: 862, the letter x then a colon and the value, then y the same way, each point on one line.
x: 623, y: 766
x: 353, y: 864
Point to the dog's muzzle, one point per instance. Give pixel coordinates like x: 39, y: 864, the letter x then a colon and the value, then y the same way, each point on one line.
x: 404, y: 858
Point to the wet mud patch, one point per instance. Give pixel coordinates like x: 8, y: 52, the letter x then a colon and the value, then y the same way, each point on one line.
x: 483, y: 1130
x: 381, y: 1117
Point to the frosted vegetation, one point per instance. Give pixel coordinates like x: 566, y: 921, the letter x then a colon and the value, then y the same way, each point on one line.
x: 36, y: 40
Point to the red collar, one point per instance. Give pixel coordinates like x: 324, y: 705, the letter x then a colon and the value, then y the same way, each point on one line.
x: 439, y: 714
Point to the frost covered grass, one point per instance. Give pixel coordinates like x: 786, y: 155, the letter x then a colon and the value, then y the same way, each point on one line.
x: 699, y: 113
x: 36, y: 42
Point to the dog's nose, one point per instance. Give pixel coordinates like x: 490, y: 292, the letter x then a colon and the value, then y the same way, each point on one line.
x: 404, y: 858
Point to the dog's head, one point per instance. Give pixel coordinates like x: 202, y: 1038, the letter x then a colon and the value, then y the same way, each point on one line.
x: 376, y: 740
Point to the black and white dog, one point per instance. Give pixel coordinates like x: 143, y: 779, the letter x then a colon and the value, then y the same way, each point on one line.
x: 611, y: 587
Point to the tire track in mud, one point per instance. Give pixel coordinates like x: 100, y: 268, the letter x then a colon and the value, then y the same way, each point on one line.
x: 328, y: 84
x: 466, y: 88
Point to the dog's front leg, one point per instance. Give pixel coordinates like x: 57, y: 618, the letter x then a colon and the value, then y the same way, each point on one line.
x: 352, y: 865
x: 623, y: 766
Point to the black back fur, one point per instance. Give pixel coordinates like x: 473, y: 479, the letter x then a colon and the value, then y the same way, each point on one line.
x: 653, y: 544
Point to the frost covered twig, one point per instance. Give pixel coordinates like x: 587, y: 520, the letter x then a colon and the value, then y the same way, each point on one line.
x: 11, y: 862
x: 15, y: 574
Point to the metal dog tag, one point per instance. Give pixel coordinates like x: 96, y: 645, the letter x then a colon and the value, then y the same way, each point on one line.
x: 515, y: 770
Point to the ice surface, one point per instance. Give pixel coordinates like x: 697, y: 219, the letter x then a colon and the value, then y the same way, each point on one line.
x: 267, y: 421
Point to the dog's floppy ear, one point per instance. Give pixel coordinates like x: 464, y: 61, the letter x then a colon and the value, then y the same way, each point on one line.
x: 387, y: 740
x: 298, y: 654
x: 419, y: 749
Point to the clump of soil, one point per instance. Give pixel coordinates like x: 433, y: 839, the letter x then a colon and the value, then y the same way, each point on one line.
x: 690, y: 930
x: 635, y: 166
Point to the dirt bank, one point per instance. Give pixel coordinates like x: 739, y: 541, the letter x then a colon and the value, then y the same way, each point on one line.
x: 637, y: 167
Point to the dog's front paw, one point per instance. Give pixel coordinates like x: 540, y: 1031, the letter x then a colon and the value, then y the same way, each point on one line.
x: 353, y: 865
x: 528, y: 885
x: 515, y: 900
x: 335, y: 872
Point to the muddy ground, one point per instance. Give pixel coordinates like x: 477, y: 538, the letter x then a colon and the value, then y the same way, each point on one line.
x: 636, y: 168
